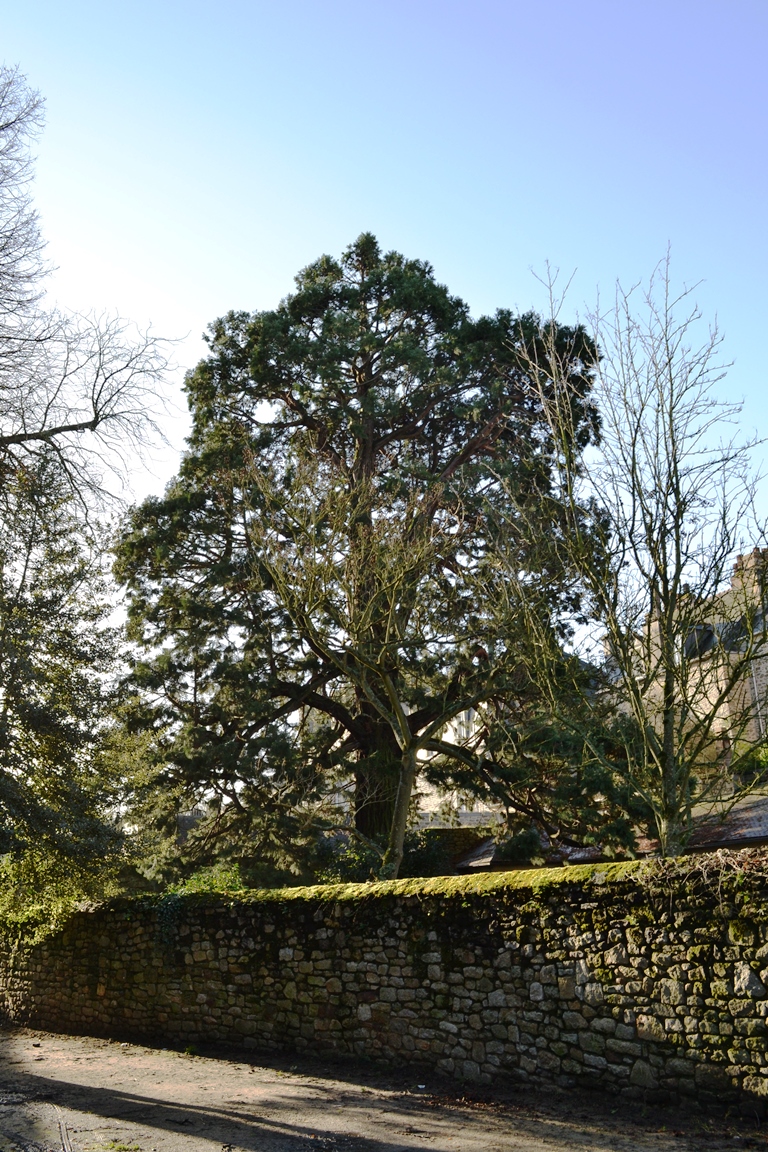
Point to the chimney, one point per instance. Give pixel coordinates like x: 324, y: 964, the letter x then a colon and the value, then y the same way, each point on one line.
x: 750, y: 570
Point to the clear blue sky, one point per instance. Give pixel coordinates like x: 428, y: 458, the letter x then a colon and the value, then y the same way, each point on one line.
x: 197, y: 154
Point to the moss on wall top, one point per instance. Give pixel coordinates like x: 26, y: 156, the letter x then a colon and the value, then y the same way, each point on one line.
x: 741, y: 876
x: 732, y: 883
x: 529, y: 881
x: 535, y: 879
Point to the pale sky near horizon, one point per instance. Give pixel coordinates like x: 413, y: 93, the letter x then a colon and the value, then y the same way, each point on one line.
x: 196, y: 155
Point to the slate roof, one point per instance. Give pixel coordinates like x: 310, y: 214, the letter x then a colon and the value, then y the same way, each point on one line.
x: 745, y: 825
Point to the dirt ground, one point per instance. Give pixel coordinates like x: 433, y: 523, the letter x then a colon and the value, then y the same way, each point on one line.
x: 83, y: 1095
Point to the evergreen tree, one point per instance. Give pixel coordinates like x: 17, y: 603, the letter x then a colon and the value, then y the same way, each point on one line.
x: 57, y: 665
x: 319, y: 592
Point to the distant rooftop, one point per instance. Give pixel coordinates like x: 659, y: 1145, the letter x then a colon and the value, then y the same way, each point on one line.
x: 745, y: 825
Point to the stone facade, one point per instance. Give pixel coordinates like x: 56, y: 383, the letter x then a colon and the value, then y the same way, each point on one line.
x: 632, y: 979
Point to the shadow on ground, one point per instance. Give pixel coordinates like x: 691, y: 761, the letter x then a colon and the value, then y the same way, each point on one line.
x: 87, y: 1095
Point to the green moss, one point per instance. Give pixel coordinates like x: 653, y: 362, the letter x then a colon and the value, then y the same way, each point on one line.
x: 651, y: 885
x: 741, y: 932
x: 535, y: 880
x: 698, y: 952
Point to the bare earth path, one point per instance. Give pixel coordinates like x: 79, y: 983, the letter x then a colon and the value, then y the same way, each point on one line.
x: 85, y: 1095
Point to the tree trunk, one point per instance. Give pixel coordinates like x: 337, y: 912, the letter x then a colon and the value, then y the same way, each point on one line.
x: 393, y: 857
x: 376, y: 783
x: 376, y: 778
x: 671, y: 821
x: 671, y: 831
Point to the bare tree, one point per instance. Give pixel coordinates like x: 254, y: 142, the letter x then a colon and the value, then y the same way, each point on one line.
x: 81, y: 388
x: 21, y: 247
x: 673, y: 642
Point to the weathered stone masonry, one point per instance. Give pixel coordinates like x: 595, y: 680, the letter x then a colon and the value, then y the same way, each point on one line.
x: 650, y: 987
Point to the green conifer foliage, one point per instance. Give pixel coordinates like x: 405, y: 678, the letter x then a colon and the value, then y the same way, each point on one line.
x: 318, y: 593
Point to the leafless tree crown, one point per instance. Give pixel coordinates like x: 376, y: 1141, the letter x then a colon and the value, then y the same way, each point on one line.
x: 656, y: 515
x: 21, y: 267
x: 81, y: 388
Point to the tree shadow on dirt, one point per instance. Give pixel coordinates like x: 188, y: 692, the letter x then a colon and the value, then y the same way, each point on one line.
x: 287, y: 1102
x: 246, y: 1127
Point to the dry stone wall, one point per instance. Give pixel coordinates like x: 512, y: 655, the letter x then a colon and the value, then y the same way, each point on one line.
x: 633, y: 980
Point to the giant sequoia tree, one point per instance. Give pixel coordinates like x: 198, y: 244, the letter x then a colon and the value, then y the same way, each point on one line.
x: 319, y: 592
